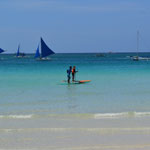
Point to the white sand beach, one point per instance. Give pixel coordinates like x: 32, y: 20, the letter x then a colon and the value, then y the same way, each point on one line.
x: 67, y: 133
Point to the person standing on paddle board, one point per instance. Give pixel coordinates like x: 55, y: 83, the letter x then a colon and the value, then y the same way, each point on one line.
x: 69, y: 74
x: 73, y: 73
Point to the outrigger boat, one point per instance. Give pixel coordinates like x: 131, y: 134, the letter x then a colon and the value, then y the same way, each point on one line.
x: 45, y: 51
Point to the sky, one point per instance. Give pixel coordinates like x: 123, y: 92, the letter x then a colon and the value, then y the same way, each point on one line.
x: 72, y: 26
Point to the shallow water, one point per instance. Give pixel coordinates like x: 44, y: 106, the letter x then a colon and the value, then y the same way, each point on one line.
x: 118, y: 87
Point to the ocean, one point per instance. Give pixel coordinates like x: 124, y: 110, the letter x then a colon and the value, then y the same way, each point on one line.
x: 38, y: 110
x: 119, y: 87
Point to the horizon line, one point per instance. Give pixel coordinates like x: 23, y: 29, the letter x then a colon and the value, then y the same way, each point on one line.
x: 87, y: 52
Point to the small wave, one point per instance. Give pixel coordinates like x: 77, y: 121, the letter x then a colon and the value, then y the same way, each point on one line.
x: 86, y: 129
x: 16, y: 116
x: 79, y: 116
x: 121, y: 115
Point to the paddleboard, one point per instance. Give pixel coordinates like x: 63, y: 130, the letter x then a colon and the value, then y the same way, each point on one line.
x: 84, y: 81
x: 76, y: 82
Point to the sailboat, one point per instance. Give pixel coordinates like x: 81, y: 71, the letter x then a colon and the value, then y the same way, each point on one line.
x: 137, y: 57
x: 1, y: 50
x: 45, y: 51
x: 18, y: 52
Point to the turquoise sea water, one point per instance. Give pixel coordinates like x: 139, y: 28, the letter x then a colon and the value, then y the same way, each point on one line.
x: 118, y: 85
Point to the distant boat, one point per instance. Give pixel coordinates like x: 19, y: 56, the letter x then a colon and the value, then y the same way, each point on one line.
x: 100, y: 55
x: 45, y: 51
x: 1, y: 50
x: 137, y: 57
x: 18, y: 52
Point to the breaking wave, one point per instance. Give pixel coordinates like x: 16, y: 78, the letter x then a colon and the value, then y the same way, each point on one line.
x: 121, y: 115
x: 16, y: 116
x: 79, y: 115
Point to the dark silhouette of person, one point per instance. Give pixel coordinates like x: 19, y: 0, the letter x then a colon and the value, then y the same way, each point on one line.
x: 69, y: 73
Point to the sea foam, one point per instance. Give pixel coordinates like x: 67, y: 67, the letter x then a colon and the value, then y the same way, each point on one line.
x: 16, y: 116
x: 81, y: 116
x: 121, y: 115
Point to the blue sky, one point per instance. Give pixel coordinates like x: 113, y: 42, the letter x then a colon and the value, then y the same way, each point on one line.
x: 75, y: 25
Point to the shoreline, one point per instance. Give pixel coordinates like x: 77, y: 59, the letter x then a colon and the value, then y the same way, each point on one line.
x: 113, y: 115
x: 75, y: 133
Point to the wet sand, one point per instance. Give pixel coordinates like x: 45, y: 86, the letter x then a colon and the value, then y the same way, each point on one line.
x: 64, y: 133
